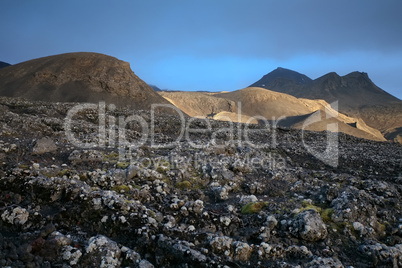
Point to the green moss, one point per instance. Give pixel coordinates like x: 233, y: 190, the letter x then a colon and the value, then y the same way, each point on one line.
x: 253, y: 207
x: 63, y: 172
x: 309, y: 206
x: 380, y: 227
x: 338, y: 226
x: 112, y: 157
x: 163, y: 167
x: 120, y: 188
x: 23, y: 166
x: 84, y: 176
x: 183, y: 185
x: 122, y: 165
x: 326, y: 214
x: 137, y: 187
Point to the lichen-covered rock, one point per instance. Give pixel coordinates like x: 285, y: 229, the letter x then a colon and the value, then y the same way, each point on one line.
x: 88, y: 207
x: 17, y: 215
x: 44, y: 145
x: 242, y: 251
x: 221, y: 193
x: 221, y: 245
x: 382, y: 255
x: 354, y: 205
x: 309, y: 226
x: 247, y: 199
x: 324, y: 263
x: 103, y: 252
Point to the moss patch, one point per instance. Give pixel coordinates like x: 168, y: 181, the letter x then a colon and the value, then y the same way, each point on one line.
x: 253, y: 207
x: 184, y: 185
x: 326, y: 214
x: 121, y: 188
x: 122, y: 165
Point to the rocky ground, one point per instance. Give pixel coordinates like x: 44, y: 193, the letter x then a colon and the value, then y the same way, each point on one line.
x: 208, y: 199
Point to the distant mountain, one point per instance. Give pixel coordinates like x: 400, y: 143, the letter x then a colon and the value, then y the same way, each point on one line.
x: 356, y: 94
x: 155, y: 87
x: 4, y: 64
x: 353, y: 91
x: 283, y: 80
x: 77, y: 77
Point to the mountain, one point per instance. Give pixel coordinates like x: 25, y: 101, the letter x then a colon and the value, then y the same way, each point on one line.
x: 283, y: 80
x: 259, y: 103
x: 155, y: 87
x: 356, y: 94
x: 198, y: 104
x: 352, y: 91
x: 77, y: 77
x: 4, y: 64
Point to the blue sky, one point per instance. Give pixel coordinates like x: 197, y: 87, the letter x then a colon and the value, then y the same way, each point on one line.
x: 214, y: 45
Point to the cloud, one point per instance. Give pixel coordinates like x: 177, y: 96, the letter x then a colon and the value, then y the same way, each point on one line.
x: 261, y: 33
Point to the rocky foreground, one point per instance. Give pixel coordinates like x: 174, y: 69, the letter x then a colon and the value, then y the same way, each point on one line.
x: 77, y: 195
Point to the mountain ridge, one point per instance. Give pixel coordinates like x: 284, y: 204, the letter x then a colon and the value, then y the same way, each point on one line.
x: 77, y: 77
x: 356, y: 95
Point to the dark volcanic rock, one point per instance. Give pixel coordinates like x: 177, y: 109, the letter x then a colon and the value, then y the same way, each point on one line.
x: 175, y: 202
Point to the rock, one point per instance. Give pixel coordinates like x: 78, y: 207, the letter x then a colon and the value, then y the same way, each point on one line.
x: 44, y: 145
x: 145, y: 264
x: 324, y: 263
x: 359, y: 228
x: 198, y: 206
x: 71, y: 254
x: 130, y: 254
x: 271, y: 222
x: 383, y: 255
x: 221, y: 245
x: 309, y: 226
x: 103, y: 252
x: 221, y: 193
x: 354, y: 205
x: 17, y: 215
x: 247, y: 199
x: 225, y: 220
x: 242, y: 251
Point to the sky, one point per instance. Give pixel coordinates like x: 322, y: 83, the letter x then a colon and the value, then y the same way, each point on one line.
x: 214, y: 45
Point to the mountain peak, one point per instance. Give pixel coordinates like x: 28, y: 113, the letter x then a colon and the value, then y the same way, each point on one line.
x: 357, y: 74
x: 282, y: 77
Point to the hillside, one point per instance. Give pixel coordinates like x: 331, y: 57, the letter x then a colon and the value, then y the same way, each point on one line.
x: 78, y: 77
x: 259, y: 102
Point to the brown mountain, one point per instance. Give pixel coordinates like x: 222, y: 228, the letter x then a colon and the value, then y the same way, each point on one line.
x: 77, y: 77
x: 250, y: 104
x: 356, y: 94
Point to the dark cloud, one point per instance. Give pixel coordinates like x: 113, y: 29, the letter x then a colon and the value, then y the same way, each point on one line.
x: 150, y: 33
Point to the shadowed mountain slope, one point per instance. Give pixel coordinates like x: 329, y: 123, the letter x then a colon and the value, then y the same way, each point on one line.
x: 283, y: 80
x: 4, y: 64
x: 356, y: 94
x: 77, y: 77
